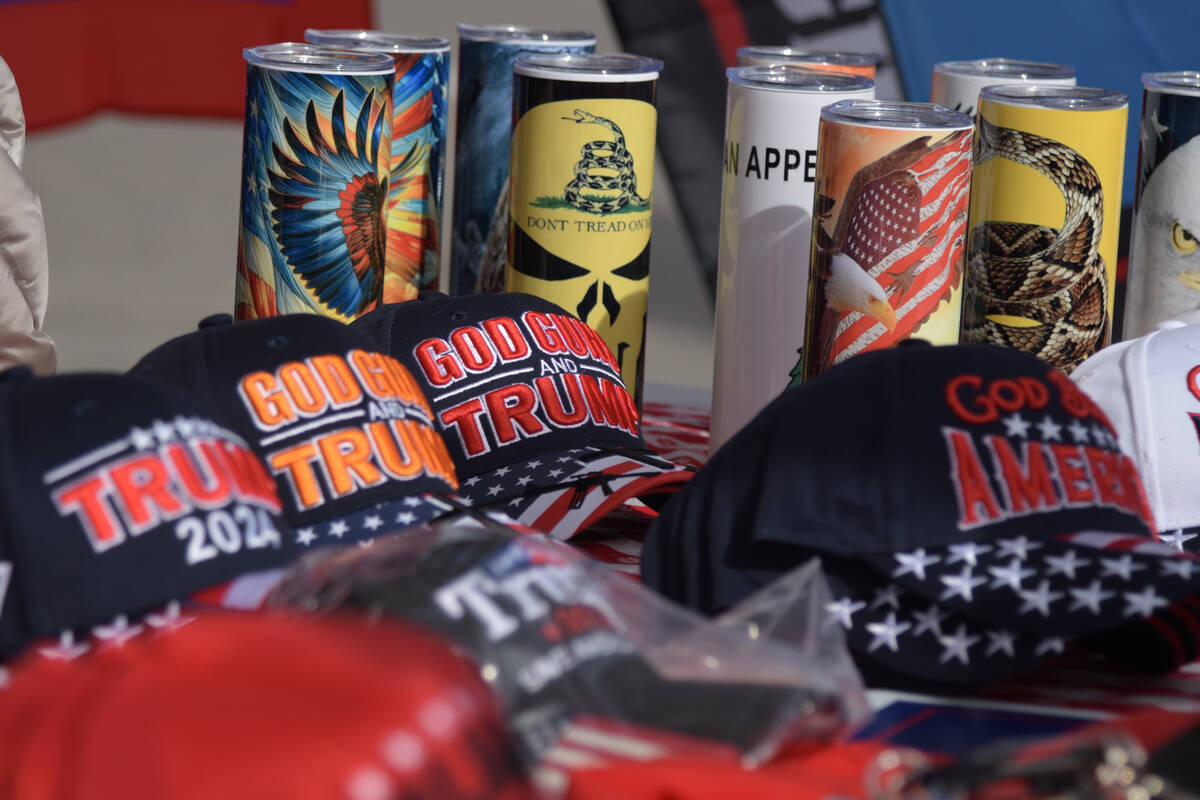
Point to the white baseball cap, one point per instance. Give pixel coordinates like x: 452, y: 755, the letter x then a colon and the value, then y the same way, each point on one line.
x: 1150, y: 389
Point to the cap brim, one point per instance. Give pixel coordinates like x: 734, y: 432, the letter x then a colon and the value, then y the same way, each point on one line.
x: 562, y: 494
x: 893, y: 631
x: 376, y: 520
x: 1100, y: 585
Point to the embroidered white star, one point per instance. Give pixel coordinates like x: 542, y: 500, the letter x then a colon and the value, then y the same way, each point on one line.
x: 412, y: 502
x: 957, y: 645
x: 164, y: 431
x: 1039, y: 598
x: 1123, y: 567
x: 1176, y: 538
x: 1100, y: 435
x: 1143, y: 603
x: 968, y: 552
x: 66, y: 649
x: 141, y: 439
x: 524, y: 479
x: 469, y: 482
x: 888, y: 595
x: 929, y: 620
x: 170, y: 619
x: 372, y: 522
x: 1010, y: 576
x: 1078, y: 431
x: 1016, y: 425
x: 914, y: 562
x: 963, y: 584
x: 338, y: 528
x: 305, y: 536
x: 185, y: 426
x: 495, y: 490
x: 1066, y: 564
x: 1050, y: 429
x: 1000, y: 641
x: 118, y: 632
x: 554, y: 473
x: 885, y: 633
x: 500, y: 473
x: 564, y: 459
x: 842, y: 610
x: 1179, y: 567
x: 1089, y: 598
x: 406, y: 518
x: 1018, y: 547
x: 534, y: 464
x: 1051, y: 644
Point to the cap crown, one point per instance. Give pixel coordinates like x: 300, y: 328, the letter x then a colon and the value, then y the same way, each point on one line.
x: 340, y: 425
x: 508, y: 376
x: 1150, y: 389
x: 117, y: 496
x: 918, y: 446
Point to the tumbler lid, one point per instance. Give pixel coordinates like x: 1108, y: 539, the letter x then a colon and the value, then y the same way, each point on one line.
x: 793, y: 78
x: 523, y: 35
x: 588, y: 67
x: 894, y: 114
x: 757, y: 53
x: 376, y: 41
x: 298, y: 57
x: 1069, y: 98
x: 1007, y: 68
x: 1187, y: 82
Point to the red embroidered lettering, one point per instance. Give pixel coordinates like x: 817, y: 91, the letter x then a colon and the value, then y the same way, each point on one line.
x: 976, y: 503
x: 464, y: 418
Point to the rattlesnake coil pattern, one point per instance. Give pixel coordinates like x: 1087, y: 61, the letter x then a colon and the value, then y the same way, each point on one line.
x: 603, y: 154
x: 1054, y: 277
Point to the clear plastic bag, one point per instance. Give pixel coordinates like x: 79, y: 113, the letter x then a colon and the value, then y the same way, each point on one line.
x: 561, y: 637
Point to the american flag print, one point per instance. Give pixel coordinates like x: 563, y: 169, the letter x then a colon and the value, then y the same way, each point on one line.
x: 906, y: 229
x: 563, y: 493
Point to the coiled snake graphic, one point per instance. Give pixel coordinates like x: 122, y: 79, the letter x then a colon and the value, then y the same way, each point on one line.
x: 1055, y: 278
x: 602, y: 154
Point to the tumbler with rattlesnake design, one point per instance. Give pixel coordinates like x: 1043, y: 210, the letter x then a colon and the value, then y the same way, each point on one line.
x: 1045, y: 205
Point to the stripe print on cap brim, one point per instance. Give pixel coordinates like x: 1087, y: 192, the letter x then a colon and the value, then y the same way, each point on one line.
x: 1079, y: 584
x: 905, y: 634
x: 562, y: 495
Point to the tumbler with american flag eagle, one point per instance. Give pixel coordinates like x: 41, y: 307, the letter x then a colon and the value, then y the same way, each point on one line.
x: 889, y: 219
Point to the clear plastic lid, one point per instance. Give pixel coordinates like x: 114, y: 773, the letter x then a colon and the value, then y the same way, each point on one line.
x: 784, y: 54
x: 520, y: 34
x: 376, y: 41
x: 1070, y: 98
x: 588, y: 67
x: 894, y: 114
x: 792, y: 78
x: 1007, y: 68
x: 1172, y: 82
x: 297, y: 57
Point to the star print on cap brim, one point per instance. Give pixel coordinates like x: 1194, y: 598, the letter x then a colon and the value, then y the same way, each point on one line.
x: 377, y: 520
x: 1087, y: 583
x: 564, y: 494
x: 893, y: 630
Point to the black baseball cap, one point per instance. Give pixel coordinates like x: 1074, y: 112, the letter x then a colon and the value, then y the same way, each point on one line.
x: 974, y: 480
x: 531, y: 405
x: 344, y: 429
x: 119, y: 496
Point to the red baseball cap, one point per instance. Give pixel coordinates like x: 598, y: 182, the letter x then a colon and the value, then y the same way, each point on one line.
x: 262, y: 706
